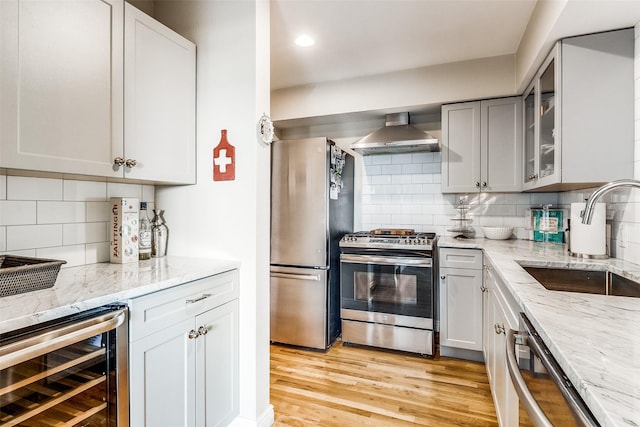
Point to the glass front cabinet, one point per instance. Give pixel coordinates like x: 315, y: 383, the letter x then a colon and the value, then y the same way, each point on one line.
x: 579, y: 105
x: 541, y: 118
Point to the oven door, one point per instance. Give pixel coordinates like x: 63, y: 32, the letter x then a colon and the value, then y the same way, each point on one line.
x: 400, y: 285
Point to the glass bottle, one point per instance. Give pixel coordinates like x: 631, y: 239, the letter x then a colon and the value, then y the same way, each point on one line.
x: 159, y: 234
x: 144, y: 234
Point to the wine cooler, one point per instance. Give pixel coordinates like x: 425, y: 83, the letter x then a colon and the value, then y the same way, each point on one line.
x: 68, y: 372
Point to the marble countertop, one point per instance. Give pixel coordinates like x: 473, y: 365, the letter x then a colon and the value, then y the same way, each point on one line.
x: 594, y: 338
x: 85, y: 287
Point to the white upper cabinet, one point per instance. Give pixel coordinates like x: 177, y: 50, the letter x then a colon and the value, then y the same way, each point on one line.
x: 82, y: 94
x: 159, y: 99
x: 578, y: 114
x: 482, y: 145
x: 61, y: 90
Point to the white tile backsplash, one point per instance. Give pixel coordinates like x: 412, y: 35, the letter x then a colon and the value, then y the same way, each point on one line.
x: 90, y: 232
x: 404, y: 190
x: 97, y: 211
x: 74, y: 255
x: 3, y: 239
x: 116, y: 189
x: 84, y: 190
x: 97, y: 252
x: 27, y: 188
x: 61, y: 212
x: 61, y: 218
x: 17, y: 212
x: 33, y: 236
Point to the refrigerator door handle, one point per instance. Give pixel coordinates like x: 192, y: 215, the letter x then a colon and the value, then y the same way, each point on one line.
x: 314, y: 277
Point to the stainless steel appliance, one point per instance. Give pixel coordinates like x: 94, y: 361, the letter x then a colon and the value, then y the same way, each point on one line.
x: 547, y: 397
x: 311, y: 208
x: 387, y: 285
x: 71, y: 371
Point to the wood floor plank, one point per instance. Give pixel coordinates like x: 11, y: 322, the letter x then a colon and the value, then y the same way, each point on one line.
x: 357, y: 386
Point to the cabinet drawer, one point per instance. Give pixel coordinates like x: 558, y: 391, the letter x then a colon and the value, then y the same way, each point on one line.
x: 159, y: 310
x: 461, y: 258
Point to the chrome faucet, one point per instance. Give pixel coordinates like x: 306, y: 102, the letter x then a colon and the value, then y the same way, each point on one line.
x: 587, y: 214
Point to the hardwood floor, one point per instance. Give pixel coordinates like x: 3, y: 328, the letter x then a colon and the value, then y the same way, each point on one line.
x: 356, y: 386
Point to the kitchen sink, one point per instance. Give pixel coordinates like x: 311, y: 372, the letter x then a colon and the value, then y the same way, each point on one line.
x: 584, y: 281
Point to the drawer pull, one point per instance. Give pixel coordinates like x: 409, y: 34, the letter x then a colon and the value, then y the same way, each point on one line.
x: 204, y: 296
x: 193, y: 334
x: 202, y: 330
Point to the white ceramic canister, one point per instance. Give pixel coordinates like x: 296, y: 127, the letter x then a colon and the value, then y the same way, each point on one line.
x: 588, y: 240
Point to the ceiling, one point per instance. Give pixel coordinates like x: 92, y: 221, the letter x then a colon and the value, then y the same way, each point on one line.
x: 366, y: 37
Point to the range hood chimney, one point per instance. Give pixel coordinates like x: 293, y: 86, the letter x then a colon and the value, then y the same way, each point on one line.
x: 398, y: 136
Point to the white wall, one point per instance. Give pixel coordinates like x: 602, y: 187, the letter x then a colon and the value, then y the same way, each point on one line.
x: 60, y: 218
x: 229, y: 219
x: 482, y: 78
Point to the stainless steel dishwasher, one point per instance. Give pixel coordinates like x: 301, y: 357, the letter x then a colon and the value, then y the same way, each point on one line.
x: 70, y: 371
x: 547, y: 397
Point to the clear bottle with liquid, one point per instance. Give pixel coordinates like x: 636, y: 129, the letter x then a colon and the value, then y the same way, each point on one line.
x: 144, y: 234
x: 159, y: 234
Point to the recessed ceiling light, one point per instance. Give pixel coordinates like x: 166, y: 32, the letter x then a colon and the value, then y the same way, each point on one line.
x: 305, y: 40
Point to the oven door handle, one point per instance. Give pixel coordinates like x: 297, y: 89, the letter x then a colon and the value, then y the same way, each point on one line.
x: 23, y: 350
x: 538, y: 418
x: 386, y: 260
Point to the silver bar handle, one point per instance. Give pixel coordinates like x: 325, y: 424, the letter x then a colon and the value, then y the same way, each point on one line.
x: 48, y: 341
x: 314, y: 277
x: 386, y: 260
x: 538, y: 418
x: 194, y: 300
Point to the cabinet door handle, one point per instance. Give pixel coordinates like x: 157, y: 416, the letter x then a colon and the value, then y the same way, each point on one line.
x: 477, y: 184
x: 130, y: 163
x: 499, y: 329
x: 443, y: 277
x: 193, y: 334
x: 483, y: 289
x: 484, y: 184
x: 204, y: 296
x: 118, y: 161
x: 202, y: 330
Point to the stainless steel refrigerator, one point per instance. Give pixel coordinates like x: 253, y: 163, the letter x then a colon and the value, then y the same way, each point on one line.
x: 311, y: 209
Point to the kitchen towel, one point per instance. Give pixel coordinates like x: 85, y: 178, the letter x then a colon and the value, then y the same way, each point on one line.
x: 588, y: 239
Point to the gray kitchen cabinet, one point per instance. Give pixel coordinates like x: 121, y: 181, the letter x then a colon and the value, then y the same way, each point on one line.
x: 62, y: 91
x: 83, y: 95
x: 460, y: 295
x: 184, y: 354
x: 159, y: 101
x: 578, y: 114
x: 482, y: 146
x: 500, y: 313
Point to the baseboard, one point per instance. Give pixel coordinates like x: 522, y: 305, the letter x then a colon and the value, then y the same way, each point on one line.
x: 460, y: 353
x: 266, y: 419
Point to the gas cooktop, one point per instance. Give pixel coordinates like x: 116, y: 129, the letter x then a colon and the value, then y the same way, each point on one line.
x: 388, y: 239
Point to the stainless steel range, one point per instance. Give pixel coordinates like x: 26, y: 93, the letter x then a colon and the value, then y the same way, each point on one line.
x: 387, y: 289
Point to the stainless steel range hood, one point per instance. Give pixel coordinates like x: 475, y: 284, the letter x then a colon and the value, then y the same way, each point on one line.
x: 398, y: 136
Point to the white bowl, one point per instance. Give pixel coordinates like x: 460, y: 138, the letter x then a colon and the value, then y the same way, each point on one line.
x: 497, y: 233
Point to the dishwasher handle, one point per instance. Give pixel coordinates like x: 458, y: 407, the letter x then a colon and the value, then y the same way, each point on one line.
x: 580, y: 411
x: 538, y: 418
x: 50, y: 340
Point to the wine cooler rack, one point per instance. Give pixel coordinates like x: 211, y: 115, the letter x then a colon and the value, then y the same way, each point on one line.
x: 63, y: 381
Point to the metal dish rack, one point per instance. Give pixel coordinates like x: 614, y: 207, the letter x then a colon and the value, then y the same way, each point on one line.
x: 20, y: 274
